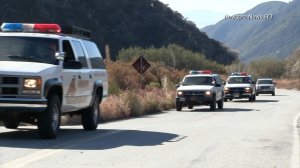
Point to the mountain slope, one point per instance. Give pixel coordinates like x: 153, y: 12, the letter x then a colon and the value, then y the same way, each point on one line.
x: 256, y: 38
x: 119, y: 23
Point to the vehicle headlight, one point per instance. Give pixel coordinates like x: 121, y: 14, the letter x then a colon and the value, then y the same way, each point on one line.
x: 179, y: 93
x: 247, y: 89
x: 32, y: 86
x: 207, y: 93
x: 226, y: 89
x: 31, y: 83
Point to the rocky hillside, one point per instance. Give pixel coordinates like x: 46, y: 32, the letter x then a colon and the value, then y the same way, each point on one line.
x: 270, y: 29
x: 120, y: 23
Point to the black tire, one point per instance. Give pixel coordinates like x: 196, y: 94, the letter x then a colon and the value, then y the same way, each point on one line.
x: 225, y: 100
x: 90, y: 116
x: 273, y: 93
x: 257, y: 94
x: 213, y: 104
x: 178, y: 106
x: 11, y: 124
x: 190, y: 106
x: 49, y: 120
x: 221, y: 104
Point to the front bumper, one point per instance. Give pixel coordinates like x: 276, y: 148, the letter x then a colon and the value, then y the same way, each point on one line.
x: 237, y: 95
x: 194, y: 100
x: 8, y: 105
x: 265, y: 91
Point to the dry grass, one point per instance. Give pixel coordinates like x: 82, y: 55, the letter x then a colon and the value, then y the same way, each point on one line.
x: 288, y: 84
x: 131, y: 103
x: 136, y: 103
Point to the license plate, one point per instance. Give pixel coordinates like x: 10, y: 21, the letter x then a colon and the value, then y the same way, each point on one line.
x: 236, y: 95
x: 181, y: 99
x: 193, y: 98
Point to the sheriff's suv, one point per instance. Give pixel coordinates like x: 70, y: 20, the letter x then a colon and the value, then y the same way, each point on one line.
x: 240, y: 85
x: 45, y: 73
x: 200, y: 88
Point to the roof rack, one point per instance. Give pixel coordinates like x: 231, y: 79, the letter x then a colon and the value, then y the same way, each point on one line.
x: 76, y: 31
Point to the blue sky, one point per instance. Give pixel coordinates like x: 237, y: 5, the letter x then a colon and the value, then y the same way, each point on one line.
x: 207, y: 12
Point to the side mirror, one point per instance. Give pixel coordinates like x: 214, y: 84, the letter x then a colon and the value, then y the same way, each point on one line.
x: 254, y: 82
x: 275, y: 83
x: 224, y: 83
x: 72, y: 65
x: 177, y: 85
x: 60, y: 56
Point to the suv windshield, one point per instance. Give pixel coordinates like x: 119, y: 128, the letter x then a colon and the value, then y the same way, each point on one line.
x: 198, y: 80
x: 237, y: 80
x: 28, y: 49
x: 264, y: 82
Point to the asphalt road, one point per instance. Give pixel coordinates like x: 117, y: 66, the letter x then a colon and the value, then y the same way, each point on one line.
x: 262, y: 134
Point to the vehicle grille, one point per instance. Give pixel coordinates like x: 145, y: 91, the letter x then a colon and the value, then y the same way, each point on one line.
x: 265, y: 87
x: 9, y: 86
x: 9, y: 91
x: 10, y: 80
x: 190, y: 93
x: 236, y: 90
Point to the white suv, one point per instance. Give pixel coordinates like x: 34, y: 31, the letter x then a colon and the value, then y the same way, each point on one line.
x: 200, y: 88
x: 45, y: 73
x: 265, y: 86
x: 240, y: 85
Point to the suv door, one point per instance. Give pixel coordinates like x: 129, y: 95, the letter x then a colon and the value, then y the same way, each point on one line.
x: 85, y: 78
x: 218, y: 87
x: 70, y: 80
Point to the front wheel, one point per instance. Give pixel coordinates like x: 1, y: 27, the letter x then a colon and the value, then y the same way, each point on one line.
x: 190, y: 106
x: 213, y: 104
x: 11, y: 124
x: 49, y: 120
x: 90, y: 116
x: 178, y: 106
x: 221, y: 103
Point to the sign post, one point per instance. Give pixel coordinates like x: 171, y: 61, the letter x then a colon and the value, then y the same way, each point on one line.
x: 141, y: 65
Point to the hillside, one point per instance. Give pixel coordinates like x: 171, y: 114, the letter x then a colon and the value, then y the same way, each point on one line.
x: 119, y: 23
x: 257, y: 38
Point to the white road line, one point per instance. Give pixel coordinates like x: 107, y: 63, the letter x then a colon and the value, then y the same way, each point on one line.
x: 36, y: 156
x: 296, y: 152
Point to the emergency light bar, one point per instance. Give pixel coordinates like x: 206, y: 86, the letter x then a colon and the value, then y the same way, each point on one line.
x: 193, y: 72
x: 28, y: 27
x: 239, y: 74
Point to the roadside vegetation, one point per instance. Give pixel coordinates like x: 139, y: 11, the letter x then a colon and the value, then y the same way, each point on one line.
x: 132, y: 94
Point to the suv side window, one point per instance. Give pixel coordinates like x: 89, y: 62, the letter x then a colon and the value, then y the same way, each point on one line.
x: 94, y: 55
x: 80, y: 54
x: 67, y: 49
x: 217, y: 79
